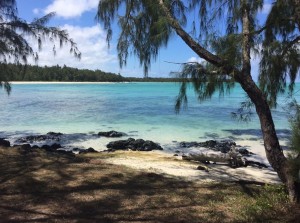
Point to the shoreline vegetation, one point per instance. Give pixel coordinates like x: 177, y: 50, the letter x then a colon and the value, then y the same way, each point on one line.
x: 34, y: 73
x: 40, y: 185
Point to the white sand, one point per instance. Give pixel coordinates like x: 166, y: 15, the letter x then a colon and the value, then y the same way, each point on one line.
x: 165, y: 163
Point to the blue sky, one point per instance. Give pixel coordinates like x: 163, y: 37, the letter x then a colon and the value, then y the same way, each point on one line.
x: 78, y: 17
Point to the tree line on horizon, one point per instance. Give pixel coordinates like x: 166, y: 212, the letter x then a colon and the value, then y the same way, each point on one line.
x: 56, y: 73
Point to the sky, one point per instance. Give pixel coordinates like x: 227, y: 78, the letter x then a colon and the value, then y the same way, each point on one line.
x: 78, y: 18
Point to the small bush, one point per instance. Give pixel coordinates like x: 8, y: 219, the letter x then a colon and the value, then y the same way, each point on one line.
x: 270, y: 202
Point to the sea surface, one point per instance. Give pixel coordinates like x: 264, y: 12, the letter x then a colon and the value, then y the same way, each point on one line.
x: 141, y: 110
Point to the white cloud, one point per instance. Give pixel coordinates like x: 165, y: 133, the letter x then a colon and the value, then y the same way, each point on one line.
x: 195, y: 60
x: 92, y: 44
x: 71, y: 8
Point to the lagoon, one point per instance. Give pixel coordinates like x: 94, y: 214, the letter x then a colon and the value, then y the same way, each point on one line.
x: 141, y: 110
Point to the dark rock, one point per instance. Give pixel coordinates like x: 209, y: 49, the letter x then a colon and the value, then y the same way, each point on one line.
x: 175, y: 154
x: 119, y: 145
x: 202, y: 168
x: 209, y: 144
x: 26, y: 146
x: 112, y: 134
x: 76, y: 150
x: 4, y: 142
x: 46, y: 147
x: 54, y: 133
x: 222, y: 146
x: 53, y: 147
x: 185, y: 157
x: 149, y: 146
x: 132, y: 144
x: 244, y: 151
x: 64, y: 152
x: 38, y: 138
x: 89, y: 150
x: 256, y: 164
x: 35, y: 147
x: 188, y: 144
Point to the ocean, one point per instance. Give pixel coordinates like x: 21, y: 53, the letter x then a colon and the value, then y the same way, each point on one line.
x: 141, y: 110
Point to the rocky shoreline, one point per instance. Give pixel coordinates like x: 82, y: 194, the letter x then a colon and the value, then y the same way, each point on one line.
x: 52, y: 143
x: 221, y: 151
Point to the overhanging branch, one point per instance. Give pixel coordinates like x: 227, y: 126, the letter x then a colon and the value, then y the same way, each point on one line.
x: 195, y: 46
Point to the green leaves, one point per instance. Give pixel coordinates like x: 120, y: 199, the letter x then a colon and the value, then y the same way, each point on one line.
x: 144, y: 27
x: 280, y: 50
x: 229, y: 48
x: 14, y: 46
x: 204, y: 79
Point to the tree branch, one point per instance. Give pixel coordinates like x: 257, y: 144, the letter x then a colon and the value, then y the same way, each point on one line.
x: 290, y: 44
x: 195, y: 46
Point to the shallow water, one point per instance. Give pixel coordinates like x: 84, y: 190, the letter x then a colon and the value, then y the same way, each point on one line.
x: 142, y: 110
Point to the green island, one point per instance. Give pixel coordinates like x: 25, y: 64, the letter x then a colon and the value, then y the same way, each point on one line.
x: 13, y: 72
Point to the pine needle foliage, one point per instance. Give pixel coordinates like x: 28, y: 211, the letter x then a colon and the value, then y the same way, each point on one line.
x: 145, y: 28
x: 14, y: 31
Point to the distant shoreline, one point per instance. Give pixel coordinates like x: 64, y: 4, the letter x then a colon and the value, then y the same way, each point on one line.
x: 85, y: 82
x: 32, y: 74
x: 64, y: 82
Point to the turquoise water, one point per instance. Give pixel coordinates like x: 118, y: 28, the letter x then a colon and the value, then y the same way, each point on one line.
x: 142, y: 110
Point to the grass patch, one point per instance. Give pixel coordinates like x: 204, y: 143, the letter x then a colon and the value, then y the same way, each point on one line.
x: 49, y: 187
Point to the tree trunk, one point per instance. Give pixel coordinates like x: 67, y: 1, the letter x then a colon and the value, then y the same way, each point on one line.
x: 273, y: 150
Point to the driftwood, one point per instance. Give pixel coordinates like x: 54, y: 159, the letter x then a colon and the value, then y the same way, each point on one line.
x: 233, y: 158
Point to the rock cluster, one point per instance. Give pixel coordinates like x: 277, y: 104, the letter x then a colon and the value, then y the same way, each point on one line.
x: 132, y: 144
x: 223, y: 146
x: 4, y: 142
x: 37, y: 138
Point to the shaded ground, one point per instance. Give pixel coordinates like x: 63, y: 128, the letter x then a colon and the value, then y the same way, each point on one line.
x: 36, y: 186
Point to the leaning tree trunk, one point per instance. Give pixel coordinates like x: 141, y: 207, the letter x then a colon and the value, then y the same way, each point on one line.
x: 273, y: 150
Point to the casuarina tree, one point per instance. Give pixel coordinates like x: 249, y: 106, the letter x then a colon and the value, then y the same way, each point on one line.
x: 147, y: 25
x: 14, y: 34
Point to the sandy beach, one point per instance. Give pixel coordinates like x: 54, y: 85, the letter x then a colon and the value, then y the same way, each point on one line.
x: 169, y: 162
x: 168, y: 165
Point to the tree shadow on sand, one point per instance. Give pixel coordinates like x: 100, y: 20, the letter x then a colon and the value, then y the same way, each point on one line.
x: 38, y: 186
